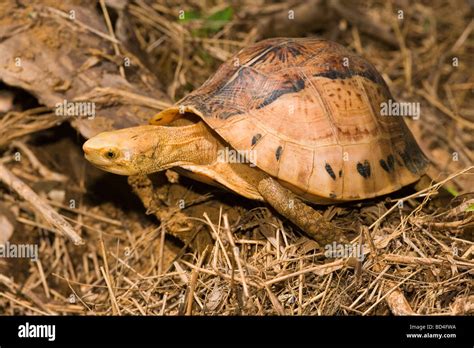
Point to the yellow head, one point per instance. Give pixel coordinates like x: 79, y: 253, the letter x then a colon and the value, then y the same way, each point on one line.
x: 129, y: 151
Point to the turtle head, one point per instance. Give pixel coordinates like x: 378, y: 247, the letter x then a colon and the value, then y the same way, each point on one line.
x: 127, y: 151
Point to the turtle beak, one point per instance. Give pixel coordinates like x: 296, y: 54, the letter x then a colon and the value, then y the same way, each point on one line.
x: 86, y: 149
x: 89, y: 151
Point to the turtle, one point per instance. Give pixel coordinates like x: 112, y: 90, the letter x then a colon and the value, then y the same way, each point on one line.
x: 292, y: 122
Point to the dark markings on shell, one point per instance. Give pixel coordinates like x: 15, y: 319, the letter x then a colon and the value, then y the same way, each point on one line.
x: 226, y: 115
x: 278, y: 152
x: 332, y: 195
x: 256, y: 138
x: 214, y: 103
x: 388, y: 165
x: 391, y: 161
x: 370, y: 74
x: 340, y: 172
x: 290, y: 86
x: 216, y: 99
x: 269, y: 54
x: 330, y: 171
x: 414, y: 160
x: 280, y: 52
x: 364, y: 169
x: 384, y: 165
x: 407, y: 161
x: 294, y: 51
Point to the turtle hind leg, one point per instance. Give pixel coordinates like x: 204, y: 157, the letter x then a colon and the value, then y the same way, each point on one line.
x: 294, y: 209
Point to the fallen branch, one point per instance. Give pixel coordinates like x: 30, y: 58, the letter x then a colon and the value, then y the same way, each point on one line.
x: 49, y: 214
x: 364, y: 23
x: 36, y: 164
x: 397, y: 301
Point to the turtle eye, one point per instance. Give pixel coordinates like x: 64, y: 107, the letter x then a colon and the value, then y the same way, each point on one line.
x: 110, y: 154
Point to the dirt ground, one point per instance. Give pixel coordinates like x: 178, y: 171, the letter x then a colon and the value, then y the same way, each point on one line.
x: 168, y: 245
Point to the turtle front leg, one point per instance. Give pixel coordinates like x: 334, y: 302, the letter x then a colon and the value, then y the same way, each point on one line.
x: 298, y: 212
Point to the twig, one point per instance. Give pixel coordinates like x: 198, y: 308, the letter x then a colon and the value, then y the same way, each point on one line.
x: 219, y: 240
x: 112, y: 34
x: 395, y: 287
x: 36, y: 164
x: 417, y: 194
x: 397, y: 301
x: 81, y: 24
x: 192, y: 284
x: 319, y: 270
x: 220, y: 274
x: 86, y: 213
x: 235, y: 251
x: 440, y: 106
x: 113, y: 300
x: 427, y: 261
x: 274, y: 300
x: 365, y: 23
x: 48, y: 213
x: 22, y: 303
x: 126, y: 97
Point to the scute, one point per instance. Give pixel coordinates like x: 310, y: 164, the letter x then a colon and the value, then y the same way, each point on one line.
x: 310, y: 109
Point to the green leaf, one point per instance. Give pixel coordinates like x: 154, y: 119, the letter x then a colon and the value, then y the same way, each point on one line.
x: 470, y: 207
x: 199, y: 32
x: 452, y: 191
x: 190, y: 15
x: 222, y: 15
x: 211, y: 24
x: 217, y: 20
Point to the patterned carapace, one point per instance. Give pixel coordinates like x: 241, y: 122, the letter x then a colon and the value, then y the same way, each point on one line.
x: 311, y: 110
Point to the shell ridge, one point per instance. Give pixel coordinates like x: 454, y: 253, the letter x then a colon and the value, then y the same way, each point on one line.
x: 326, y: 107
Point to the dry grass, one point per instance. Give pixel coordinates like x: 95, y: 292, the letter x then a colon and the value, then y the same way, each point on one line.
x: 418, y: 246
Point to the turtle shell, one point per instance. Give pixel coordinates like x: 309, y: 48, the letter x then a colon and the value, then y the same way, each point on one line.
x: 311, y: 111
